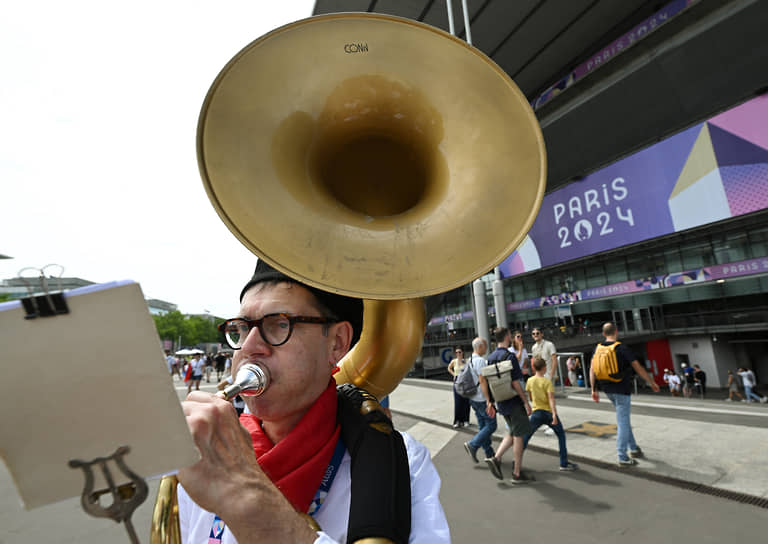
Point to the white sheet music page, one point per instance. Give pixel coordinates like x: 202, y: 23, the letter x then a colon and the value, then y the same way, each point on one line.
x: 82, y: 384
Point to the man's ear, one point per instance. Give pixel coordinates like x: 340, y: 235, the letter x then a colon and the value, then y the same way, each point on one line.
x: 341, y: 337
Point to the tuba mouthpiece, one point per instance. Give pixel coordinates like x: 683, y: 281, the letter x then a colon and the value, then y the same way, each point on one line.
x: 251, y: 380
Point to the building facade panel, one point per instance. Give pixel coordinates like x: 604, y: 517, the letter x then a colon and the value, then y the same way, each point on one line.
x: 688, y: 271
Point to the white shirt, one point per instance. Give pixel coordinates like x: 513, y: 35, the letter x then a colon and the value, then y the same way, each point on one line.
x: 477, y: 363
x: 748, y: 377
x: 428, y: 523
x: 521, y: 359
x: 545, y: 349
x: 197, y: 366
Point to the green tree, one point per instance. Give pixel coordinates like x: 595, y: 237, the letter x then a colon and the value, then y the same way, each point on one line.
x: 170, y: 325
x: 192, y: 330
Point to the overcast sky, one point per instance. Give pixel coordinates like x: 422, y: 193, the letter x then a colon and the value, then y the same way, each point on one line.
x: 97, y: 147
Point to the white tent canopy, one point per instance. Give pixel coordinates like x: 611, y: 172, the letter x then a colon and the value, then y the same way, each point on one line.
x: 189, y: 352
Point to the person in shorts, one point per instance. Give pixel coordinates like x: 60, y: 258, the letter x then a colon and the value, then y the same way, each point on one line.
x: 515, y: 411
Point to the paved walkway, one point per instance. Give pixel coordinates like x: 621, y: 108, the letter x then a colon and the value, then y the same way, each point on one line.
x: 708, y: 442
x: 711, y: 443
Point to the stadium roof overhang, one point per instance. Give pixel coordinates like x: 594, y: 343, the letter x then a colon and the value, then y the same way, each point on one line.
x: 706, y: 57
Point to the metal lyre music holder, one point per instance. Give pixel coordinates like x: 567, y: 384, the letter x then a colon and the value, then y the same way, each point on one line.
x: 125, y: 498
x: 43, y: 302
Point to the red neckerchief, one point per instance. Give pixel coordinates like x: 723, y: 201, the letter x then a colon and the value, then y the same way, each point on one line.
x: 297, y: 463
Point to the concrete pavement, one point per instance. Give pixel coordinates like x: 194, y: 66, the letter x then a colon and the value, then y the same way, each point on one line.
x: 708, y: 443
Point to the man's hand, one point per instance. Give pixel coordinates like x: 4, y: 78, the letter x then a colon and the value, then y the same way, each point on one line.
x: 553, y: 374
x: 229, y: 481
x: 490, y: 409
x: 643, y: 373
x: 528, y: 410
x: 227, y: 457
x: 554, y: 419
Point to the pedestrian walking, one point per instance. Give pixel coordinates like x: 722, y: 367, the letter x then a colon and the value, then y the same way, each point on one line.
x: 515, y: 412
x: 749, y: 381
x: 541, y: 393
x: 617, y: 385
x: 195, y: 372
x: 733, y: 387
x: 486, y: 424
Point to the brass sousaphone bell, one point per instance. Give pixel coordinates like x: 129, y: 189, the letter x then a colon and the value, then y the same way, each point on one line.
x: 375, y: 157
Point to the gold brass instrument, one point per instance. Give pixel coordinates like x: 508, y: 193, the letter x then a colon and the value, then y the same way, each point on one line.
x: 376, y: 157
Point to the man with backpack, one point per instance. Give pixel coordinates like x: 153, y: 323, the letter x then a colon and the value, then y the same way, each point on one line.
x: 485, y: 423
x: 612, y: 369
x: 515, y: 411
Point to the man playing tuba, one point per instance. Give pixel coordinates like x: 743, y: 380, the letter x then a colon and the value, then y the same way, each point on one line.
x: 302, y: 448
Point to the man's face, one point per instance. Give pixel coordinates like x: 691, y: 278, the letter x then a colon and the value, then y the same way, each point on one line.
x: 299, y: 369
x: 537, y: 336
x: 482, y: 348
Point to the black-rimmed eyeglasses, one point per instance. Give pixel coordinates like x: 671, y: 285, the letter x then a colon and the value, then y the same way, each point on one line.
x: 275, y: 329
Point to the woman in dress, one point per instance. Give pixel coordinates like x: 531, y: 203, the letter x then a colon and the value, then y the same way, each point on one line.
x: 460, y: 404
x: 522, y: 355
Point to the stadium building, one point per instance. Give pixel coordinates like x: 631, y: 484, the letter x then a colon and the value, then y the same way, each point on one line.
x: 653, y: 116
x: 670, y: 243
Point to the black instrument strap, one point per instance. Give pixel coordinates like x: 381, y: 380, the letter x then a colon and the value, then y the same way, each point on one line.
x: 380, y: 506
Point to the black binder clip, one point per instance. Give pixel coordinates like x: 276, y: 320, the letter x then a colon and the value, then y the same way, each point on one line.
x: 43, y: 304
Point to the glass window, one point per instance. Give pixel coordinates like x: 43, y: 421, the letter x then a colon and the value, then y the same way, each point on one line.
x: 672, y: 260
x: 596, y: 275
x: 696, y: 254
x: 758, y: 243
x: 555, y: 285
x: 531, y: 288
x: 640, y: 266
x: 517, y: 290
x: 579, y: 278
x: 730, y: 247
x: 616, y: 271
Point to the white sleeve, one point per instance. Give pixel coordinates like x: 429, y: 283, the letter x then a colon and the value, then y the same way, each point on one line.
x: 428, y: 522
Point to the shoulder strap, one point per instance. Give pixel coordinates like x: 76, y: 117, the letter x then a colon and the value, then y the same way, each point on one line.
x: 475, y: 371
x: 380, y: 506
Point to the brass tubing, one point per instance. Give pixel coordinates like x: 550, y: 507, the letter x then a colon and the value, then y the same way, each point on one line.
x: 393, y: 331
x: 165, y: 516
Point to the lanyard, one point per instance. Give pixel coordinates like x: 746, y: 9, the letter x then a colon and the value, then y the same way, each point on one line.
x: 217, y: 531
x: 217, y: 528
x: 325, y: 484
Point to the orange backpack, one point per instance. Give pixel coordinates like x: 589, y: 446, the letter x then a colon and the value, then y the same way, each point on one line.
x: 605, y: 364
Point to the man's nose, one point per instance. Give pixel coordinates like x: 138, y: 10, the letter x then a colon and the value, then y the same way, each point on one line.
x: 255, y: 343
